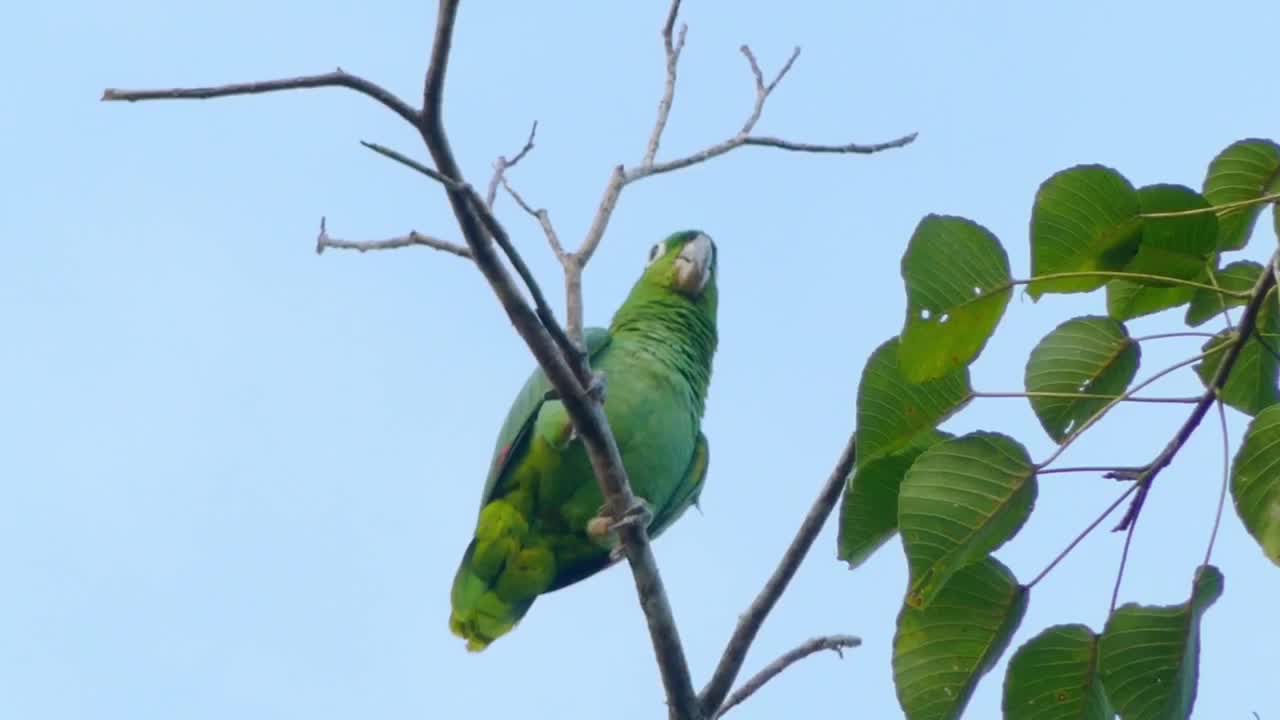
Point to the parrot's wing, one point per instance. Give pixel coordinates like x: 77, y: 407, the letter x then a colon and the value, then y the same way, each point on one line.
x: 524, y: 412
x: 687, y: 493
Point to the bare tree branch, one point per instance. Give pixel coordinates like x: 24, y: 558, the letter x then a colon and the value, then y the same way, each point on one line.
x: 1248, y: 321
x: 324, y: 241
x: 836, y: 643
x: 413, y: 164
x: 543, y: 218
x: 739, y: 141
x: 337, y: 78
x: 749, y: 623
x: 502, y: 165
x: 621, y: 176
x: 586, y: 412
x: 669, y: 88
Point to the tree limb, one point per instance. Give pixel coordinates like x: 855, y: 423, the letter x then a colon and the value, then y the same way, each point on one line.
x: 502, y: 165
x: 669, y: 87
x: 543, y: 218
x: 586, y: 413
x: 836, y: 643
x: 621, y: 176
x: 324, y: 241
x: 1248, y: 321
x: 337, y: 78
x: 749, y: 623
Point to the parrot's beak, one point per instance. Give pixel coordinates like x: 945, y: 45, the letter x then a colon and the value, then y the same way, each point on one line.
x: 693, y: 265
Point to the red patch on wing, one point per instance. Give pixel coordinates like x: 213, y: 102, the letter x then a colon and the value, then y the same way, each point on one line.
x: 502, y: 456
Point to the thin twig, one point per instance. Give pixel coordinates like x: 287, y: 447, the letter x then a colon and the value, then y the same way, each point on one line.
x: 749, y: 623
x: 324, y: 241
x: 539, y: 214
x: 1084, y: 396
x: 1124, y: 558
x: 672, y: 49
x: 1083, y: 534
x: 1162, y: 336
x: 1226, y: 474
x: 836, y: 643
x: 337, y: 78
x: 414, y: 165
x: 1119, y: 469
x: 763, y: 90
x: 586, y: 412
x: 1248, y: 320
x: 541, y: 307
x: 739, y: 141
x: 1219, y: 210
x: 502, y: 165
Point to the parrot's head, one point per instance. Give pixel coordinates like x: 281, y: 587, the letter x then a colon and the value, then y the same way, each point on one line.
x: 684, y: 263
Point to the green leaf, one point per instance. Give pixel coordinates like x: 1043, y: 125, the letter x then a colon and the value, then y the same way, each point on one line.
x: 1251, y: 384
x: 1255, y: 481
x: 869, y: 513
x: 1086, y: 355
x: 958, y: 285
x: 1239, y: 276
x: 1085, y: 219
x: 1175, y: 247
x: 1054, y: 676
x: 1179, y: 246
x: 1246, y: 170
x: 1150, y: 655
x: 961, y: 500
x: 1127, y: 300
x: 892, y: 411
x: 940, y: 653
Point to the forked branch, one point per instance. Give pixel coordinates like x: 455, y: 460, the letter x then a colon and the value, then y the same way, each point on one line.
x: 835, y: 643
x: 749, y: 623
x: 325, y: 241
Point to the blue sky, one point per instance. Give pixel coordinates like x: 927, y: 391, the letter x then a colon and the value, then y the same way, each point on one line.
x: 237, y: 477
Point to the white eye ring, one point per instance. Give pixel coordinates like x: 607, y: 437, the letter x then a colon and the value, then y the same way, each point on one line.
x: 654, y: 253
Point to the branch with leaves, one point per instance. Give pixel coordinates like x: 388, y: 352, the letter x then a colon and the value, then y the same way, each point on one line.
x: 957, y: 500
x: 560, y: 350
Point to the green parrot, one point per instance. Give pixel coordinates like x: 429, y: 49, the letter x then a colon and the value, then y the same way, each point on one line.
x: 542, y: 525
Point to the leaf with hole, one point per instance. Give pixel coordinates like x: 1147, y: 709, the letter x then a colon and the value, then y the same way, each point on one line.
x: 1081, y: 358
x: 1054, y: 676
x: 869, y: 512
x: 1085, y: 219
x: 1255, y: 481
x: 1251, y: 383
x: 1149, y: 656
x: 958, y: 285
x: 1246, y: 170
x: 1239, y: 276
x: 892, y: 411
x: 941, y: 652
x: 961, y: 500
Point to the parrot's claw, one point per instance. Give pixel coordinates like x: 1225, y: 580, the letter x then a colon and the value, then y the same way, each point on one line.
x: 603, y: 528
x: 640, y: 513
x: 597, y: 388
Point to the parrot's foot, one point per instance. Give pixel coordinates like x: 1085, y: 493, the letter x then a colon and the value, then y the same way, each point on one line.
x: 603, y: 528
x: 597, y: 388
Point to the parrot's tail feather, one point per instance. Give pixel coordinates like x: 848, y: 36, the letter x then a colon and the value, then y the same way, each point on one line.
x: 497, y: 581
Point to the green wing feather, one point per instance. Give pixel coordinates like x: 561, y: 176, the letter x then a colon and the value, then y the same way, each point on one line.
x: 524, y: 412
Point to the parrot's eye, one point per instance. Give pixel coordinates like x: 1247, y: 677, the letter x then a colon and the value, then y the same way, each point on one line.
x: 654, y: 253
